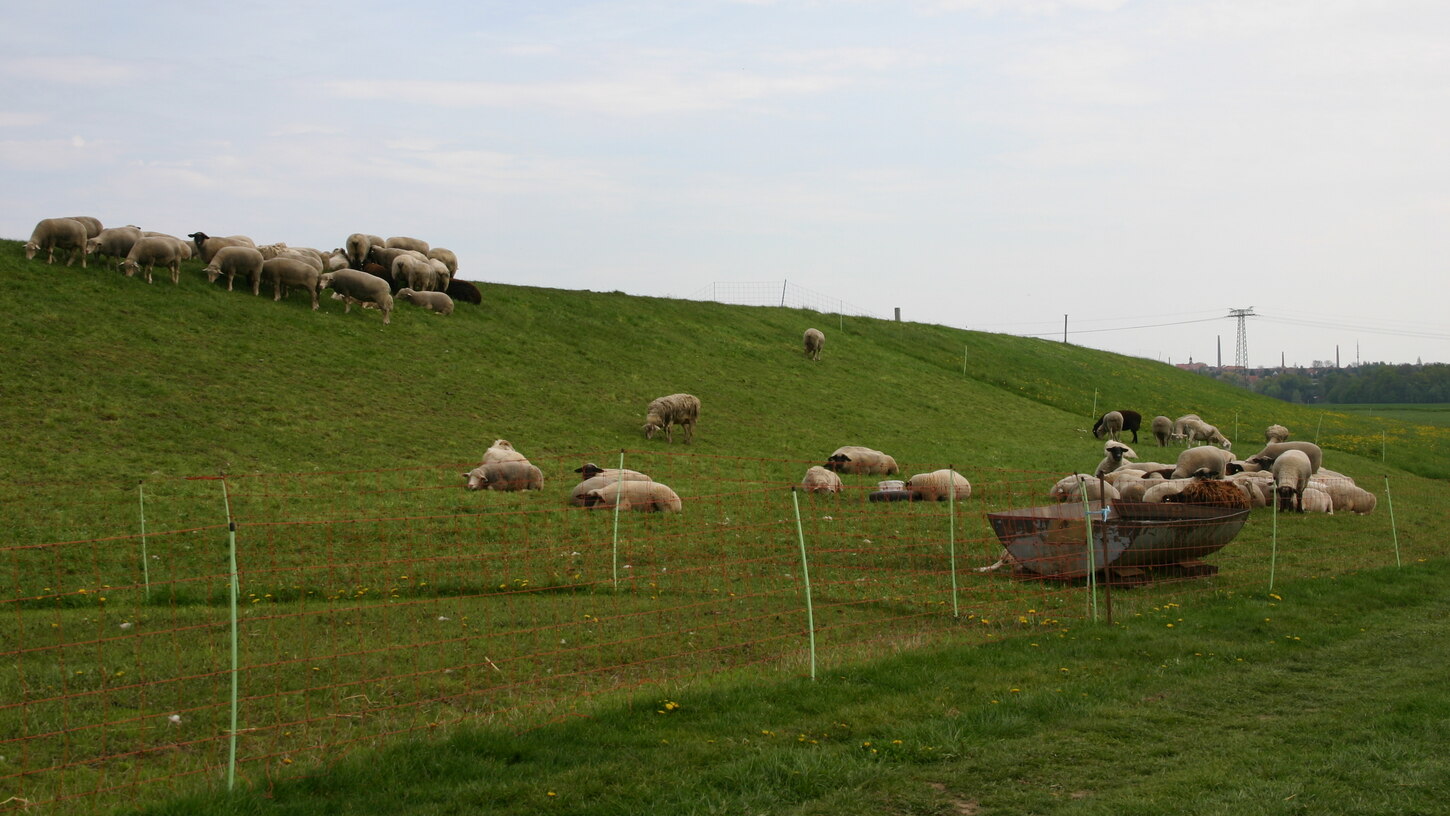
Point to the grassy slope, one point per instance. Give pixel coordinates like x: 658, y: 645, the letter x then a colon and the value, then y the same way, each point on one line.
x: 110, y: 378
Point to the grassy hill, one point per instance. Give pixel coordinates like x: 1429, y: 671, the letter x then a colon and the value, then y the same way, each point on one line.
x: 109, y: 378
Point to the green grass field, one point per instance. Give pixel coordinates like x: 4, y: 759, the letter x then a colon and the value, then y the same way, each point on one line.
x: 1435, y: 414
x: 343, y: 440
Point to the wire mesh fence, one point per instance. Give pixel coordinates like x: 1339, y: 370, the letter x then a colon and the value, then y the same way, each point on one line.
x: 191, y: 633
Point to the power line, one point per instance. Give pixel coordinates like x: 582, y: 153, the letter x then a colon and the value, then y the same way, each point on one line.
x: 1128, y: 328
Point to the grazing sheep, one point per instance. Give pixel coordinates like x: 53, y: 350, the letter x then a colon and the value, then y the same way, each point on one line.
x: 236, y: 261
x: 861, y: 460
x: 820, y: 480
x: 642, y: 496
x: 1291, y: 471
x: 337, y: 259
x: 92, y: 225
x: 1162, y: 430
x: 404, y: 242
x: 666, y: 412
x: 147, y: 253
x: 1265, y: 458
x: 51, y: 234
x: 186, y: 248
x: 1315, y: 500
x: 505, y: 476
x: 384, y: 256
x: 441, y: 275
x: 1114, y: 423
x: 362, y: 288
x: 465, y: 291
x: 814, y: 339
x: 1114, y: 452
x: 589, y: 470
x: 286, y: 272
x: 1196, y: 430
x: 939, y: 485
x: 207, y: 246
x: 114, y: 243
x: 438, y: 302
x: 357, y: 247
x: 502, y: 450
x: 1180, y: 432
x: 1201, y: 461
x: 1276, y: 433
x: 415, y: 273
x: 447, y: 257
x: 1069, y: 488
x: 311, y: 257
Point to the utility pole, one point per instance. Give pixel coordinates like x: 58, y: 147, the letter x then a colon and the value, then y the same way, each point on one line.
x: 1241, y: 351
x: 1064, y: 328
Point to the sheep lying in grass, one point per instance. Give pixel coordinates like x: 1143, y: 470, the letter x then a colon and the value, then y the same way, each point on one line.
x: 437, y: 302
x: 502, y: 450
x: 590, y: 470
x: 1264, y: 459
x: 1276, y: 433
x: 641, y: 496
x: 1115, y: 452
x: 1315, y: 500
x: 505, y: 476
x: 1070, y: 488
x: 666, y: 412
x: 1201, y: 461
x: 1291, y: 471
x: 578, y: 496
x: 862, y: 461
x: 820, y: 480
x: 939, y: 485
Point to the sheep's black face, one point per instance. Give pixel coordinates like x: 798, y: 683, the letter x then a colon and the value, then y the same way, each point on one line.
x: 837, y: 463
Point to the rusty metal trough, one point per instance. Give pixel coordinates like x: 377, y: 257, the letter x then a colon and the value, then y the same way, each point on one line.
x: 1131, y: 541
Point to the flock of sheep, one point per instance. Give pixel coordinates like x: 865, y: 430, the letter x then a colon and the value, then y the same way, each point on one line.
x: 369, y: 271
x: 1288, y: 472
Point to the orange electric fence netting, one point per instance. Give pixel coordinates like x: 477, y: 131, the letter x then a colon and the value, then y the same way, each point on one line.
x: 346, y: 608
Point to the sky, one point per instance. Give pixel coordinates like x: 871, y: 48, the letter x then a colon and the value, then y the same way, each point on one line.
x: 1136, y: 169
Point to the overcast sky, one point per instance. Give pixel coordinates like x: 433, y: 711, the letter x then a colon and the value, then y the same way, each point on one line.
x: 1142, y: 167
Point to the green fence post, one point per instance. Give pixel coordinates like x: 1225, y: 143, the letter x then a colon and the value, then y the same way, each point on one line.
x: 1394, y: 531
x: 806, y: 576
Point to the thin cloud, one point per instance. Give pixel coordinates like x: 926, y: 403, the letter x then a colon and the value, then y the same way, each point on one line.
x: 74, y: 70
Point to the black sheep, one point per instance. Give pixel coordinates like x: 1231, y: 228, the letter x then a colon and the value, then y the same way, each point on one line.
x: 1132, y: 421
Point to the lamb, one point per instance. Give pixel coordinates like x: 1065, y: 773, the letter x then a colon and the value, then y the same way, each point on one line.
x: 1124, y: 421
x: 1276, y: 433
x: 51, y: 234
x: 357, y: 247
x: 505, y: 476
x: 939, y: 485
x: 1265, y: 458
x: 1201, y: 461
x: 1291, y: 470
x: 1162, y: 430
x: 147, y: 253
x: 114, y: 243
x: 861, y: 460
x: 820, y: 480
x: 1115, y: 452
x: 666, y: 412
x: 292, y: 272
x: 641, y: 496
x: 1197, y: 430
x: 92, y: 225
x: 813, y: 340
x: 404, y: 242
x: 465, y: 291
x: 207, y: 246
x: 502, y: 450
x: 1315, y: 500
x: 361, y: 288
x: 233, y: 261
x: 1070, y: 488
x: 447, y: 257
x: 438, y: 302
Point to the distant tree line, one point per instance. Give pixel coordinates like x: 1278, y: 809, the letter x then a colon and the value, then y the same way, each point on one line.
x: 1367, y: 383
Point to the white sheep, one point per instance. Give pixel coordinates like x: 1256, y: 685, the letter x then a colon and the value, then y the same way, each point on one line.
x: 415, y: 273
x: 148, y: 253
x: 114, y: 243
x: 1114, y: 453
x: 357, y: 246
x: 447, y: 257
x: 1199, y: 431
x: 505, y: 476
x: 1203, y: 461
x: 236, y: 261
x: 820, y: 480
x: 404, y: 242
x: 437, y: 302
x: 813, y: 340
x: 578, y: 496
x: 1315, y: 500
x: 1179, y: 431
x: 1291, y: 471
x: 1265, y: 458
x: 1162, y: 430
x: 1276, y: 433
x: 634, y: 495
x: 285, y: 272
x: 441, y: 276
x: 92, y: 225
x: 589, y: 470
x: 1070, y: 488
x: 337, y: 259
x: 861, y: 460
x: 502, y: 450
x: 51, y: 234
x: 666, y: 412
x: 360, y: 288
x: 207, y: 246
x: 1162, y: 491
x: 939, y: 485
